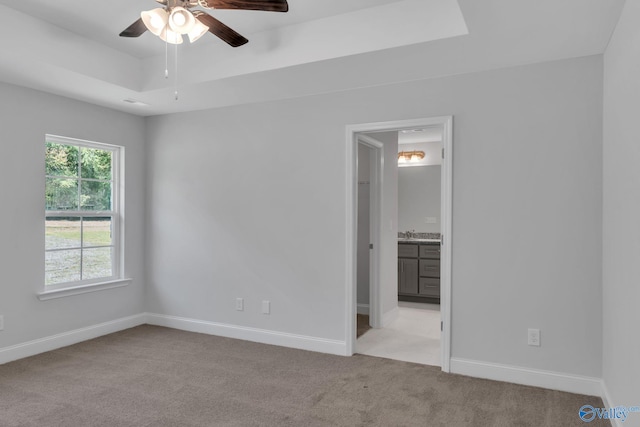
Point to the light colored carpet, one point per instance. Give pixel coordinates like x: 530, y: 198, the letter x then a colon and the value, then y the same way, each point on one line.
x: 153, y: 376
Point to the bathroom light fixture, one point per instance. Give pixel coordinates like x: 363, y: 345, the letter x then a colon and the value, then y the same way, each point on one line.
x: 410, y: 156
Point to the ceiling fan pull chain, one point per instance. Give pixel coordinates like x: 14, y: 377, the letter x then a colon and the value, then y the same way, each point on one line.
x: 176, y: 74
x: 166, y: 55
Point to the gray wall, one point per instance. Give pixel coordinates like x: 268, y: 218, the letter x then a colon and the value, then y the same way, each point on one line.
x: 527, y: 229
x: 26, y: 116
x: 419, y: 198
x: 621, y: 270
x: 527, y: 221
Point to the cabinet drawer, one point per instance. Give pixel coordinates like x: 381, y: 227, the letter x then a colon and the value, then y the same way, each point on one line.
x: 429, y: 268
x: 429, y: 287
x: 407, y: 251
x: 430, y: 251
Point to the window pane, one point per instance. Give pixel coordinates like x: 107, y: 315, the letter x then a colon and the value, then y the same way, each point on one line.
x: 62, y: 232
x: 96, y: 196
x: 95, y: 164
x: 61, y: 160
x: 62, y: 266
x: 61, y: 194
x: 96, y: 231
x: 96, y: 263
x: 80, y: 182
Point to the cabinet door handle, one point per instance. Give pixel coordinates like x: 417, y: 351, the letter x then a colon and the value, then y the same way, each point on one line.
x: 402, y: 266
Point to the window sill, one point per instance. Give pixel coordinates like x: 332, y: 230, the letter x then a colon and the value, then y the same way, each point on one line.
x: 77, y: 290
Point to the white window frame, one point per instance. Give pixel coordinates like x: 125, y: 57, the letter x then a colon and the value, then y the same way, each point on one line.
x: 117, y: 223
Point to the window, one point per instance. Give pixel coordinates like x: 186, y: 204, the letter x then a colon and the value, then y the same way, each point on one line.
x: 82, y: 213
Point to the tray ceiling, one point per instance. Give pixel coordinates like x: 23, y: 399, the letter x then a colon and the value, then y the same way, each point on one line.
x: 72, y: 48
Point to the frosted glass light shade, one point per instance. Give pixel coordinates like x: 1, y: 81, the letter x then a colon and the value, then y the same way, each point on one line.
x: 155, y: 20
x: 170, y: 36
x: 199, y: 30
x: 181, y: 20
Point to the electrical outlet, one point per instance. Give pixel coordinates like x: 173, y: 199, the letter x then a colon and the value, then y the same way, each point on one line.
x: 239, y: 304
x: 266, y: 307
x: 431, y: 220
x: 1, y: 323
x: 533, y: 337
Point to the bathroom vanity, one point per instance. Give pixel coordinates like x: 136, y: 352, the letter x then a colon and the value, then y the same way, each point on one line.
x: 419, y: 270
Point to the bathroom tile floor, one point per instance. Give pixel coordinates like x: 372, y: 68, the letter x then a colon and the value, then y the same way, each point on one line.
x: 414, y: 336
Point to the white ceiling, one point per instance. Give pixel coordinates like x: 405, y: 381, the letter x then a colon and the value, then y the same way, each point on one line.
x: 73, y: 49
x: 102, y: 21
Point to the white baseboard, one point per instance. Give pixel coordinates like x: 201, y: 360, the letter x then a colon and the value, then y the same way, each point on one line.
x: 532, y: 377
x: 606, y: 398
x: 363, y: 309
x: 608, y: 403
x: 546, y: 379
x: 31, y: 348
x: 250, y: 334
x: 389, y: 317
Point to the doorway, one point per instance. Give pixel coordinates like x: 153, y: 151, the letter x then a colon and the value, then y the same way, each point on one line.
x: 370, y: 159
x: 364, y: 245
x: 383, y: 289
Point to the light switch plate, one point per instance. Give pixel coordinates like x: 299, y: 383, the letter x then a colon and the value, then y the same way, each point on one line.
x: 1, y: 323
x: 240, y: 304
x: 266, y: 307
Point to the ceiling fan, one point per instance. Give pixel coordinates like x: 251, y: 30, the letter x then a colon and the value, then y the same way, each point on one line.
x: 178, y: 18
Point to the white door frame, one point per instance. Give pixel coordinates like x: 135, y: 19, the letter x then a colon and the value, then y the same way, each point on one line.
x: 352, y: 139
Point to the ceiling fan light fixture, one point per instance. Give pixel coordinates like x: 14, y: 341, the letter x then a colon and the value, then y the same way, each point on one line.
x: 199, y: 30
x: 170, y: 37
x: 155, y: 20
x: 181, y: 20
x: 177, y: 19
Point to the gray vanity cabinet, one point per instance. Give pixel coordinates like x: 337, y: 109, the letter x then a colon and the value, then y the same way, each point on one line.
x: 408, y: 276
x: 429, y: 267
x: 419, y: 270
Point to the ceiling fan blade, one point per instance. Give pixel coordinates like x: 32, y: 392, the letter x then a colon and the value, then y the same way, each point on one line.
x: 225, y: 33
x: 134, y: 30
x: 264, y: 5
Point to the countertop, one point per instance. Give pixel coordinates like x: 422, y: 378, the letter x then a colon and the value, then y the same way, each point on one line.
x: 405, y: 240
